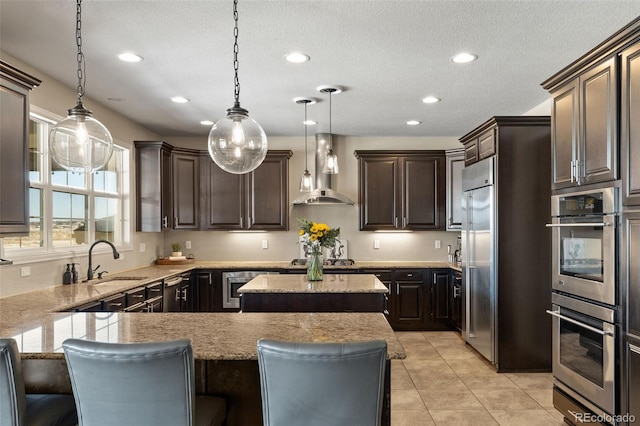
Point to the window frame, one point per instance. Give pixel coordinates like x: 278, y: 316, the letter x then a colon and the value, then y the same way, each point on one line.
x: 50, y: 252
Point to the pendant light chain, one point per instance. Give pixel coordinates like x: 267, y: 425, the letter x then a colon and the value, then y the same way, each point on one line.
x: 236, y: 81
x: 306, y: 165
x: 80, y: 55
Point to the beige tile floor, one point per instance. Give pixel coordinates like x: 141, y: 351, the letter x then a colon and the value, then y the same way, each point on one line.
x: 445, y: 382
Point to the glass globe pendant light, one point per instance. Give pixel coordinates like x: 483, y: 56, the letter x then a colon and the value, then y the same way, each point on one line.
x: 80, y: 143
x: 237, y: 143
x: 306, y: 181
x: 331, y: 159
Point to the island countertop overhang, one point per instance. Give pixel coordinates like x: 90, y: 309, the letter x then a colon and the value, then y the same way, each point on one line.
x: 333, y: 283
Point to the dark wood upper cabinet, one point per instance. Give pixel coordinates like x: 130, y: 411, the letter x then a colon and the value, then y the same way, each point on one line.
x: 258, y: 200
x: 455, y: 164
x: 14, y: 149
x: 401, y: 190
x: 630, y: 124
x: 186, y: 187
x: 584, y: 124
x: 154, y: 201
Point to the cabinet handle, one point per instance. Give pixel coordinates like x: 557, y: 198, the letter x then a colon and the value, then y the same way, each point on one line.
x: 137, y: 296
x: 395, y: 221
x: 165, y: 222
x: 404, y: 221
x: 175, y: 221
x: 573, y: 166
x: 456, y: 292
x: 117, y: 305
x: 241, y: 222
x: 154, y: 290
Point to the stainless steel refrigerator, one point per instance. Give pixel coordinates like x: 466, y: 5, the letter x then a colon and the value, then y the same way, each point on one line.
x: 478, y: 265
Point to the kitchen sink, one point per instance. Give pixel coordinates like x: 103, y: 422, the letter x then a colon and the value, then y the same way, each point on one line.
x: 109, y: 279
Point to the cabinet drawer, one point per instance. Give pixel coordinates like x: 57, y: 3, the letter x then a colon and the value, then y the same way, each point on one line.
x: 154, y: 290
x: 114, y: 303
x: 471, y: 152
x: 408, y: 275
x: 135, y: 296
x: 486, y: 144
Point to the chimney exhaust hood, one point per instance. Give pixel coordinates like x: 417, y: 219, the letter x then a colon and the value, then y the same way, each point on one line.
x: 323, y: 194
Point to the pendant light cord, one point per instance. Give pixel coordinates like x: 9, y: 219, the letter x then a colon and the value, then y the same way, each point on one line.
x: 80, y: 55
x: 236, y: 81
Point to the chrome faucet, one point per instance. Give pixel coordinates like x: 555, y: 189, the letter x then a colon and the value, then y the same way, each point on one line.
x: 116, y: 255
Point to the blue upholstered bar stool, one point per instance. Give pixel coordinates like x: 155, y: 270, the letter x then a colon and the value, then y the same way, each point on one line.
x: 138, y: 384
x: 320, y: 384
x: 20, y: 409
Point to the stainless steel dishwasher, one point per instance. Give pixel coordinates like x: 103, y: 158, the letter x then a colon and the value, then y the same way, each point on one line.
x: 173, y: 294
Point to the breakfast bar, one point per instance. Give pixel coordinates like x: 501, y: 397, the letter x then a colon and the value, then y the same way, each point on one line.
x: 224, y: 344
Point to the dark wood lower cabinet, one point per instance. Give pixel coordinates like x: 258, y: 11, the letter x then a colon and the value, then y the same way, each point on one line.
x: 440, y: 298
x: 632, y: 400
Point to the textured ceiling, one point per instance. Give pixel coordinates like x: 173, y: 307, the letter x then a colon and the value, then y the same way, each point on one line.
x: 387, y: 54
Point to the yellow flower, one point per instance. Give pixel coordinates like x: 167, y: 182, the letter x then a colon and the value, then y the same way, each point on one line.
x: 301, y: 232
x: 313, y: 237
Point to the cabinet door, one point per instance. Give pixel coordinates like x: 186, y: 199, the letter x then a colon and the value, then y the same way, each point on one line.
x: 487, y: 144
x: 564, y: 135
x: 598, y: 151
x: 223, y: 196
x: 440, y: 284
x: 630, y: 276
x: 630, y: 125
x: 14, y: 177
x: 379, y: 197
x: 633, y: 379
x: 186, y: 197
x: 268, y: 194
x: 455, y: 164
x: 203, y: 286
x: 471, y: 152
x: 410, y: 304
x: 188, y: 296
x: 154, y: 200
x: 423, y: 183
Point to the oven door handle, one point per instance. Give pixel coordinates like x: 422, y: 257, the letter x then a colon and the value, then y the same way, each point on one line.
x: 572, y: 225
x: 588, y: 327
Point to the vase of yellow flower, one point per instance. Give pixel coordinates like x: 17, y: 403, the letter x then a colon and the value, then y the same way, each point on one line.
x: 315, y: 236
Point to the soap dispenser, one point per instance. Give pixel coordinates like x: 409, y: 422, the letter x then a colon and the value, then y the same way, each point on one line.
x: 67, y: 276
x: 74, y: 273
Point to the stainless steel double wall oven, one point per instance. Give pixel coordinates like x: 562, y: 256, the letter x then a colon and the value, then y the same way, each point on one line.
x: 585, y: 299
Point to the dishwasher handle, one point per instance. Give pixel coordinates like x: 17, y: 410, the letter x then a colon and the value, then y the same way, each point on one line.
x: 173, y: 281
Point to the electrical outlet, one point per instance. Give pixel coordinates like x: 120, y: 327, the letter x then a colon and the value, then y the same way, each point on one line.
x: 437, y: 243
x: 187, y: 244
x: 25, y: 271
x: 143, y: 247
x: 376, y: 244
x: 265, y: 244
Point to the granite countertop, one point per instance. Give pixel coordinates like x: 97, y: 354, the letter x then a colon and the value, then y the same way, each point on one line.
x: 37, y: 319
x: 333, y: 283
x: 214, y: 336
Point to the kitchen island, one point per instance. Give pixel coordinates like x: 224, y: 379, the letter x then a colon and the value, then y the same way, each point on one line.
x: 224, y: 344
x: 294, y: 293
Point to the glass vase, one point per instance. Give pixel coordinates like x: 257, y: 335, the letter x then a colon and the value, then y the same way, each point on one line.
x: 314, y: 267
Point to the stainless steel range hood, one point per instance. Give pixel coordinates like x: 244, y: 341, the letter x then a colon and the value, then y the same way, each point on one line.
x: 323, y: 194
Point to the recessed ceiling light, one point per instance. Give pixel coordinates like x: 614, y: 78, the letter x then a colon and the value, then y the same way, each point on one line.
x: 130, y: 57
x: 179, y: 100
x: 430, y: 100
x: 413, y: 122
x: 206, y: 123
x: 296, y: 57
x: 463, y: 58
x: 309, y: 123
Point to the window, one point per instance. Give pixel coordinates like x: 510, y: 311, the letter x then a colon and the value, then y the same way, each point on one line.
x: 67, y: 209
